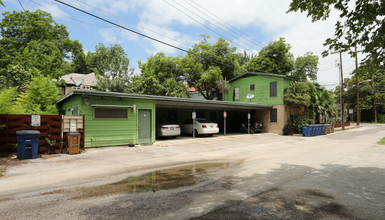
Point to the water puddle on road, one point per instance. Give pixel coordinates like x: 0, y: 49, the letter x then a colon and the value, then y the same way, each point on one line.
x: 153, y: 181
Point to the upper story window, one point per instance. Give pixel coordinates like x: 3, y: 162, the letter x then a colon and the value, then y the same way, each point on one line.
x: 252, y: 87
x: 110, y: 113
x: 236, y: 93
x: 273, y: 89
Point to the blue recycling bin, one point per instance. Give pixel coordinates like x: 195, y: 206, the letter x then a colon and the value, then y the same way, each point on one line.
x: 306, y: 130
x: 27, y: 144
x: 321, y: 129
x: 312, y: 130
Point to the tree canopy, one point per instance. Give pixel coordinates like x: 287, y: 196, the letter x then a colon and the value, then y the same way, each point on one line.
x: 160, y: 75
x: 111, y: 66
x: 218, y: 59
x: 273, y: 58
x: 305, y: 68
x: 361, y: 23
x: 33, y: 43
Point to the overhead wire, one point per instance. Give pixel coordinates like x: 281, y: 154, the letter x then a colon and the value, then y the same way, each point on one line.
x: 196, y: 20
x: 224, y: 30
x: 75, y: 19
x: 133, y: 23
x: 234, y: 29
x: 146, y: 36
x: 21, y: 5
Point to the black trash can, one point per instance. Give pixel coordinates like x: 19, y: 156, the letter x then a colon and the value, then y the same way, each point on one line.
x: 27, y: 144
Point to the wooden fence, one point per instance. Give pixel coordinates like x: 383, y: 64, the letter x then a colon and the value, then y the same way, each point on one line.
x: 52, y: 138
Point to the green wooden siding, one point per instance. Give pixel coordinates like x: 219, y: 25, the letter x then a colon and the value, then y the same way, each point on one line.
x: 261, y: 90
x: 110, y: 132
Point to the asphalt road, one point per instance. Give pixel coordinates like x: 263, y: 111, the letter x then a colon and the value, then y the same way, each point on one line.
x: 338, y: 176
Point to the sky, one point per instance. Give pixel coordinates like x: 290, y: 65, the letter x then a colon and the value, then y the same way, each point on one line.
x: 247, y: 24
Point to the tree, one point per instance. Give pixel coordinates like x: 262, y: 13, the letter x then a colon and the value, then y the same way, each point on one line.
x: 305, y: 68
x: 218, y: 58
x: 147, y: 85
x: 7, y: 100
x: 274, y: 58
x: 361, y: 24
x: 1, y: 3
x: 32, y: 43
x: 111, y: 66
x: 39, y: 97
x: 306, y: 99
x: 366, y: 95
x: 163, y: 73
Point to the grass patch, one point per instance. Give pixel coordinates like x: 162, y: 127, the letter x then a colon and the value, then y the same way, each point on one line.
x: 382, y: 141
x: 1, y: 171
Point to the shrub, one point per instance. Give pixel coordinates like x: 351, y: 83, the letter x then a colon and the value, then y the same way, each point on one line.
x: 296, y: 121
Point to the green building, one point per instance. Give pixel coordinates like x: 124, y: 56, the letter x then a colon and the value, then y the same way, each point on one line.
x: 262, y: 88
x: 120, y: 119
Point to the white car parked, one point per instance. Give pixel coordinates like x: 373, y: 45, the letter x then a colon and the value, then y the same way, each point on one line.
x: 202, y: 126
x: 167, y: 129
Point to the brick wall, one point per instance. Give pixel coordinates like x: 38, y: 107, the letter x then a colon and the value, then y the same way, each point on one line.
x: 282, y: 117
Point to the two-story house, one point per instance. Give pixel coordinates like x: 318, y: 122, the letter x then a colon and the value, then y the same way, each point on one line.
x: 262, y: 88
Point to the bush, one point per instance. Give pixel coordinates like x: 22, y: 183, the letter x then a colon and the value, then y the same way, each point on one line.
x: 381, y: 118
x: 296, y: 121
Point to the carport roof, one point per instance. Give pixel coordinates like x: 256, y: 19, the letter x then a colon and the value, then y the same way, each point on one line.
x: 165, y: 101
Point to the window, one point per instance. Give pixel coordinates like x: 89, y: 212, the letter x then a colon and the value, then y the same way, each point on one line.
x: 110, y: 113
x: 273, y: 89
x: 252, y: 87
x: 273, y: 115
x: 236, y: 94
x: 73, y: 111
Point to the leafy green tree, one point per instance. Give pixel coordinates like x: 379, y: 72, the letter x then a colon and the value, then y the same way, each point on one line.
x: 1, y: 3
x: 306, y: 100
x: 361, y: 23
x: 366, y: 95
x: 111, y: 66
x: 163, y: 73
x: 147, y: 85
x: 7, y: 101
x: 274, y: 58
x: 305, y: 67
x: 214, y: 58
x: 32, y: 43
x: 39, y: 97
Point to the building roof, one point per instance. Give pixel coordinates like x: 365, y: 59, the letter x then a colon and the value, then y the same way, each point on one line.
x: 166, y: 101
x: 248, y: 74
x: 72, y: 78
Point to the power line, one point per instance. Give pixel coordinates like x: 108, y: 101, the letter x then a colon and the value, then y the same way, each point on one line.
x: 69, y: 16
x: 21, y: 5
x: 195, y: 19
x: 146, y: 36
x: 128, y: 29
x: 233, y: 28
x: 133, y: 23
x: 224, y: 30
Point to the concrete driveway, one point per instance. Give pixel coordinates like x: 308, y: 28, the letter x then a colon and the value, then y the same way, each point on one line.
x: 260, y: 176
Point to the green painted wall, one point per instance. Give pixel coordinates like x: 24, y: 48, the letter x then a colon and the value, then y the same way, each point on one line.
x: 110, y: 132
x: 262, y: 89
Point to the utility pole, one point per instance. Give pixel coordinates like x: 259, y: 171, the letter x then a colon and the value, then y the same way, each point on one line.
x: 357, y: 90
x: 374, y: 101
x: 342, y: 92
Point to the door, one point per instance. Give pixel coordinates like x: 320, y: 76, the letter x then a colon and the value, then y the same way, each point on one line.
x: 144, y: 126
